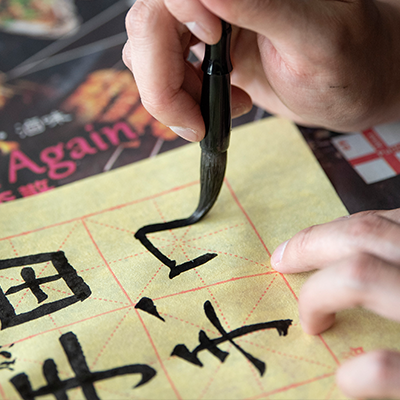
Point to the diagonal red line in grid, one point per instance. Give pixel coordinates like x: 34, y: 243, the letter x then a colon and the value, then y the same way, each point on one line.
x: 158, y: 356
x: 156, y: 273
x: 280, y: 353
x: 149, y: 282
x: 214, y: 299
x: 68, y: 325
x: 156, y: 238
x: 108, y: 340
x: 68, y: 235
x: 209, y: 291
x: 91, y: 297
x: 25, y: 292
x: 214, y: 233
x: 109, y: 209
x: 13, y: 248
x: 187, y: 230
x: 2, y: 393
x: 253, y: 370
x: 255, y: 374
x: 106, y: 263
x: 159, y: 212
x: 10, y: 279
x: 283, y: 277
x: 47, y: 264
x: 206, y: 387
x: 233, y: 194
x: 329, y: 349
x: 59, y: 248
x: 54, y: 323
x: 127, y: 257
x: 226, y: 254
x: 330, y: 391
x: 259, y: 300
x: 99, y: 213
x: 214, y: 284
x: 92, y: 221
x: 38, y: 362
x: 292, y: 386
x: 62, y: 244
x: 171, y: 231
x: 205, y: 329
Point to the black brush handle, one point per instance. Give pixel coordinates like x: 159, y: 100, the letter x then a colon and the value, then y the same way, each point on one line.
x: 216, y: 93
x: 216, y: 110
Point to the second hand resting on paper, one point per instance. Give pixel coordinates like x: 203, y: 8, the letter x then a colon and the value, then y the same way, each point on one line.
x: 329, y: 64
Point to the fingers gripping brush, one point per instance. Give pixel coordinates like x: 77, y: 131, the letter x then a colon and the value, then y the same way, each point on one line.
x: 216, y: 111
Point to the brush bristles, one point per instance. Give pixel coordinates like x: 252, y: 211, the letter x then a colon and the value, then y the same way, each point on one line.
x: 212, y: 174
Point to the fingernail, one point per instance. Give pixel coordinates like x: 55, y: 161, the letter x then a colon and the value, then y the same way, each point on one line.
x: 239, y: 109
x: 278, y: 254
x: 198, y: 30
x: 186, y: 133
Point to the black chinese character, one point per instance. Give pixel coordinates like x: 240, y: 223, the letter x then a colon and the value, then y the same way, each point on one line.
x: 171, y: 264
x: 6, y: 361
x: 65, y: 271
x: 84, y: 378
x: 146, y: 304
x: 206, y: 343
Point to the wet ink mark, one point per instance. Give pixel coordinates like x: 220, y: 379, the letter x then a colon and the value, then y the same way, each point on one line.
x: 206, y: 343
x: 65, y: 271
x: 146, y: 304
x: 175, y: 270
x: 8, y: 363
x: 84, y: 378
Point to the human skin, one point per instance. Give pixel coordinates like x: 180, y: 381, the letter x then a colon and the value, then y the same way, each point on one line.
x: 326, y: 63
x: 358, y: 263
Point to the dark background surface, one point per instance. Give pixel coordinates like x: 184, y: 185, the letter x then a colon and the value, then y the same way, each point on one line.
x: 15, y: 49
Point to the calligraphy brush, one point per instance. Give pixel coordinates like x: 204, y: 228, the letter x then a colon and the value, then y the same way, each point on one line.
x: 216, y: 111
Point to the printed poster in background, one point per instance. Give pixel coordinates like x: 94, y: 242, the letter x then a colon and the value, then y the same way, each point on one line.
x: 43, y: 18
x: 362, y: 166
x: 374, y: 153
x: 72, y: 121
x: 36, y: 29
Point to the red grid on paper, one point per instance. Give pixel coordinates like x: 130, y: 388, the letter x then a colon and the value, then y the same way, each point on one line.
x: 130, y: 303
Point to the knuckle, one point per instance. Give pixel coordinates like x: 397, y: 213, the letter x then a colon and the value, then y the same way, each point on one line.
x: 160, y: 102
x: 365, y: 224
x: 381, y: 364
x: 361, y: 270
x: 139, y: 17
x: 241, y: 12
x: 126, y: 56
x: 150, y: 107
x: 162, y: 106
x: 176, y: 6
x: 304, y: 238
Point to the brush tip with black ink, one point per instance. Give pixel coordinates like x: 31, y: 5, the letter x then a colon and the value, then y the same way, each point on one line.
x: 216, y: 110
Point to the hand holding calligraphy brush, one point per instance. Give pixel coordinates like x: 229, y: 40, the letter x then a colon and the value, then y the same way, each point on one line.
x: 216, y: 112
